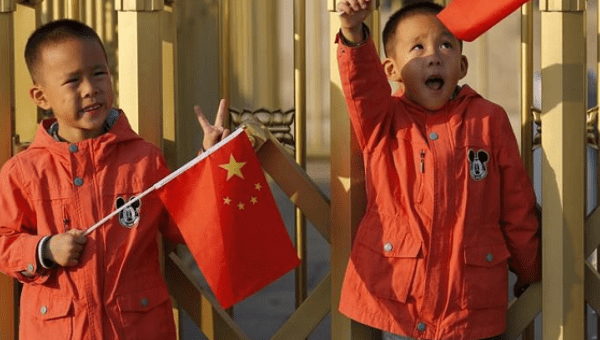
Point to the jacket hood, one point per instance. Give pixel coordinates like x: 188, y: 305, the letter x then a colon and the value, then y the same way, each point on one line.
x: 120, y: 132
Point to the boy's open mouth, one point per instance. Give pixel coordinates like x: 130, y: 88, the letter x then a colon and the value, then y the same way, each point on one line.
x: 434, y: 83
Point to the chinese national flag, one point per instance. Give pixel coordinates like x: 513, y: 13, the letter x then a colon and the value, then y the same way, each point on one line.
x: 230, y: 221
x: 468, y: 19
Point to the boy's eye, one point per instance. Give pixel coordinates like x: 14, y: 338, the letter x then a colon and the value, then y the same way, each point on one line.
x: 71, y: 80
x: 417, y: 47
x: 446, y: 45
x: 100, y: 73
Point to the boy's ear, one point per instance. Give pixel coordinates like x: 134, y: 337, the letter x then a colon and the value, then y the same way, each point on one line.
x: 391, y: 71
x: 464, y: 66
x: 37, y: 95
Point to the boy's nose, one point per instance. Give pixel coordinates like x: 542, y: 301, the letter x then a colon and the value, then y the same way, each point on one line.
x: 434, y: 59
x: 88, y: 88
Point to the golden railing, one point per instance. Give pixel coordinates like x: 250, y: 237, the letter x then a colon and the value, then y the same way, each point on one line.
x: 147, y: 32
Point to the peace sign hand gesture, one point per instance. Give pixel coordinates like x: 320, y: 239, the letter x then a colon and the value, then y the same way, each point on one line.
x: 213, y: 133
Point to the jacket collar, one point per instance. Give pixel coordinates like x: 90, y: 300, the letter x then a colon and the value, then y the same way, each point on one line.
x: 121, y: 131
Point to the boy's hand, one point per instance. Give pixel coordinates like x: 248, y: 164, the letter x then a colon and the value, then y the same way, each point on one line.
x: 353, y: 13
x: 65, y: 249
x: 213, y: 133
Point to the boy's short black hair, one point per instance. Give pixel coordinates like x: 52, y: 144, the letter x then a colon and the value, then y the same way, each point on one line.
x: 411, y: 7
x: 56, y: 32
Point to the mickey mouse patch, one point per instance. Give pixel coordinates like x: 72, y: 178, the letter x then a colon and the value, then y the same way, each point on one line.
x: 130, y: 216
x: 478, y: 166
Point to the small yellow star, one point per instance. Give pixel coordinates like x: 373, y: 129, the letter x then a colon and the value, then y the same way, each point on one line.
x: 233, y: 168
x: 257, y: 186
x: 241, y: 206
x: 227, y: 200
x: 253, y: 200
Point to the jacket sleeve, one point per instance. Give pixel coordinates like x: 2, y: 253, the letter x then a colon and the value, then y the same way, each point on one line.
x: 18, y: 232
x: 518, y: 216
x: 365, y: 85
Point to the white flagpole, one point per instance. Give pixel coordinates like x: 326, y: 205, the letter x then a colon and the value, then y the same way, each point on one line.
x: 166, y: 180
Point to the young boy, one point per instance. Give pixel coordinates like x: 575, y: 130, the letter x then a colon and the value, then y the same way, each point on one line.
x: 450, y: 205
x: 82, y: 165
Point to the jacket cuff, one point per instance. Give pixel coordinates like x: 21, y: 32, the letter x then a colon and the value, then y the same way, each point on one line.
x: 31, y: 271
x: 366, y: 33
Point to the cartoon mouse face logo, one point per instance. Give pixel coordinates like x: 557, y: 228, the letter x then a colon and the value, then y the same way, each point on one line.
x: 130, y: 216
x: 478, y: 162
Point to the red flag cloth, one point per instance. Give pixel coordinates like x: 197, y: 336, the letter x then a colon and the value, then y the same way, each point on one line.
x: 230, y: 221
x: 468, y: 19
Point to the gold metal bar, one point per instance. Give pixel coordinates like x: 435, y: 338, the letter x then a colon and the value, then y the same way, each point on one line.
x: 526, y: 105
x: 522, y: 311
x: 300, y: 136
x: 225, y: 51
x: 309, y: 314
x: 214, y: 322
x: 7, y: 6
x: 72, y: 9
x: 26, y: 112
x: 527, y: 86
x: 297, y: 185
x: 562, y: 5
x: 8, y: 318
x: 563, y: 173
x: 139, y: 5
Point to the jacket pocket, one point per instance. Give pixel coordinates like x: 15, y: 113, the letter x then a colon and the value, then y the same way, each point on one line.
x: 146, y: 314
x: 44, y: 316
x: 386, y: 261
x: 485, y: 276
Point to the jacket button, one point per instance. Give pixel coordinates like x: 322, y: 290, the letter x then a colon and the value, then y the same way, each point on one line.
x: 144, y: 302
x: 73, y: 148
x: 30, y: 268
x: 78, y: 181
x: 388, y: 247
x: 421, y: 327
x: 489, y: 257
x: 44, y: 310
x: 433, y: 136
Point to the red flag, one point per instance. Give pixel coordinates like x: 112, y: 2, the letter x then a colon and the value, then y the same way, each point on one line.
x: 468, y: 19
x: 230, y: 221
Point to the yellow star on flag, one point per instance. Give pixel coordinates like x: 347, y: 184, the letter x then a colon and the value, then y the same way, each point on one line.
x: 227, y: 200
x: 233, y: 168
x: 253, y: 200
x: 241, y: 206
x: 257, y: 186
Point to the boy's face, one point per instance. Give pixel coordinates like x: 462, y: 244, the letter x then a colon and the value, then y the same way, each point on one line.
x: 73, y: 81
x: 427, y: 60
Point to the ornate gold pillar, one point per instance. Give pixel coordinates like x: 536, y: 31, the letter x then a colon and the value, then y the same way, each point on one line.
x: 563, y: 167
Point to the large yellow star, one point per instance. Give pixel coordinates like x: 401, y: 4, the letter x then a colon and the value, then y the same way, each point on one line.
x: 233, y: 168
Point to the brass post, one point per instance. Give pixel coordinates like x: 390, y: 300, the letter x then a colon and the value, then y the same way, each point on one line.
x: 300, y: 136
x: 563, y: 168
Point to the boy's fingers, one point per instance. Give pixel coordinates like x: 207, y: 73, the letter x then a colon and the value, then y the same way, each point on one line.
x: 201, y: 117
x: 226, y: 133
x: 221, y: 113
x: 344, y: 7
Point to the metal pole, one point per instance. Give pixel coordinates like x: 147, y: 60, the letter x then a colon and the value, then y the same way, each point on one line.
x: 300, y: 136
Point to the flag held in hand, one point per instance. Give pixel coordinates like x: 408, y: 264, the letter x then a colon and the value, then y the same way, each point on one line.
x: 468, y: 19
x: 229, y: 219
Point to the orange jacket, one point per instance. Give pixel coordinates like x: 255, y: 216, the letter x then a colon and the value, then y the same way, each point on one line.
x: 117, y: 291
x: 449, y: 208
